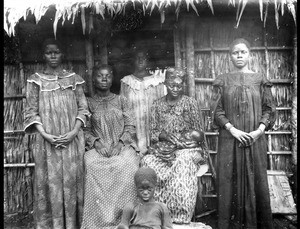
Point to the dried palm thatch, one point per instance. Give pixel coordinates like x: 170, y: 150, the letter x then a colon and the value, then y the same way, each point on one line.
x: 67, y: 10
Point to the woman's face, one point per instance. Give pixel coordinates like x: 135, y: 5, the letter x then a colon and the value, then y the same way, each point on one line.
x: 174, y: 87
x: 53, y: 55
x: 141, y: 61
x: 103, y: 79
x: 240, y: 55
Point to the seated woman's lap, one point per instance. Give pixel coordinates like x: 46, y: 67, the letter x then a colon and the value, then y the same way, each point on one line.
x: 177, y: 184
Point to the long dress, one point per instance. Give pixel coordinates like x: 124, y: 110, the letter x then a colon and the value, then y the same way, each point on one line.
x: 109, y: 181
x: 244, y: 100
x: 56, y: 102
x: 177, y: 183
x: 141, y: 93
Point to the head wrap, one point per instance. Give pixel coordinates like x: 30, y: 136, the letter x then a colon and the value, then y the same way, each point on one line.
x: 239, y: 41
x: 145, y: 173
x: 172, y: 73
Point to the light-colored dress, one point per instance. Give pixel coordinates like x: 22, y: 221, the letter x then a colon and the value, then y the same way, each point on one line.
x: 141, y: 93
x: 177, y: 182
x: 56, y: 102
x: 109, y: 181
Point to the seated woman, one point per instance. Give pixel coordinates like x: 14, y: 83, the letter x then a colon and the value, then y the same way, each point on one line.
x: 171, y: 116
x: 112, y: 159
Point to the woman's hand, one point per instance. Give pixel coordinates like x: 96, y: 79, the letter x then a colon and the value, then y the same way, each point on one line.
x: 256, y: 134
x: 244, y: 138
x: 50, y: 138
x: 67, y: 138
x: 117, y: 149
x: 101, y: 149
x: 190, y: 144
x: 168, y: 137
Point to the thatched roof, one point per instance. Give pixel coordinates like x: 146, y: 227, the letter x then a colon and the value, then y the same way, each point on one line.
x: 14, y: 10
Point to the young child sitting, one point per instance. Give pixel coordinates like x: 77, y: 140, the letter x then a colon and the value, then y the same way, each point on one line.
x: 145, y: 213
x: 165, y: 150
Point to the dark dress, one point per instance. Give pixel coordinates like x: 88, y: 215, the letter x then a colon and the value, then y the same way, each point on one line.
x: 244, y: 100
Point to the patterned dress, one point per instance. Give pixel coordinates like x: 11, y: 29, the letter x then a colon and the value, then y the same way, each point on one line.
x: 109, y: 183
x: 177, y: 183
x: 56, y: 102
x: 245, y: 100
x: 141, y: 93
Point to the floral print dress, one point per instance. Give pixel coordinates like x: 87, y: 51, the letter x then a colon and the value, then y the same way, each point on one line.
x: 177, y: 183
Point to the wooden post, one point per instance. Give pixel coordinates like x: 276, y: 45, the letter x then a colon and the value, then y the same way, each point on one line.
x: 177, y: 54
x: 294, y: 103
x: 89, y: 56
x: 294, y: 117
x: 103, y: 54
x: 190, y: 55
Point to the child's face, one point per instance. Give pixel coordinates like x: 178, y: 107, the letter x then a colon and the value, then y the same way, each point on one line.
x: 145, y: 190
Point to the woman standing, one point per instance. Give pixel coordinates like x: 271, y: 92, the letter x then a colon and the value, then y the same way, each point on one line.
x: 244, y: 109
x: 171, y: 116
x: 112, y: 159
x: 56, y: 109
x: 142, y: 89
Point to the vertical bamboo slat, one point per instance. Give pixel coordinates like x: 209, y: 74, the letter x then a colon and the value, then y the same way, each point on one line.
x: 89, y: 63
x: 213, y: 75
x: 270, y: 150
x: 294, y: 104
x: 190, y: 56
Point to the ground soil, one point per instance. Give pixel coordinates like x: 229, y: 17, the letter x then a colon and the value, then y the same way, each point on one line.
x: 25, y: 220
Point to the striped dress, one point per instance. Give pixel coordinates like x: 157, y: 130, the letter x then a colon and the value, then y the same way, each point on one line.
x: 141, y: 93
x: 56, y: 102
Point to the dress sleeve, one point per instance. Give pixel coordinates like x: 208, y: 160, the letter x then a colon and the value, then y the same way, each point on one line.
x: 217, y: 111
x: 88, y: 134
x: 82, y: 105
x: 154, y: 123
x: 129, y: 134
x: 32, y: 108
x: 166, y: 218
x: 268, y: 105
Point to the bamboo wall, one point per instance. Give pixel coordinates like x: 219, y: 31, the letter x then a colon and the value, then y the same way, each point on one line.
x: 201, y: 46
